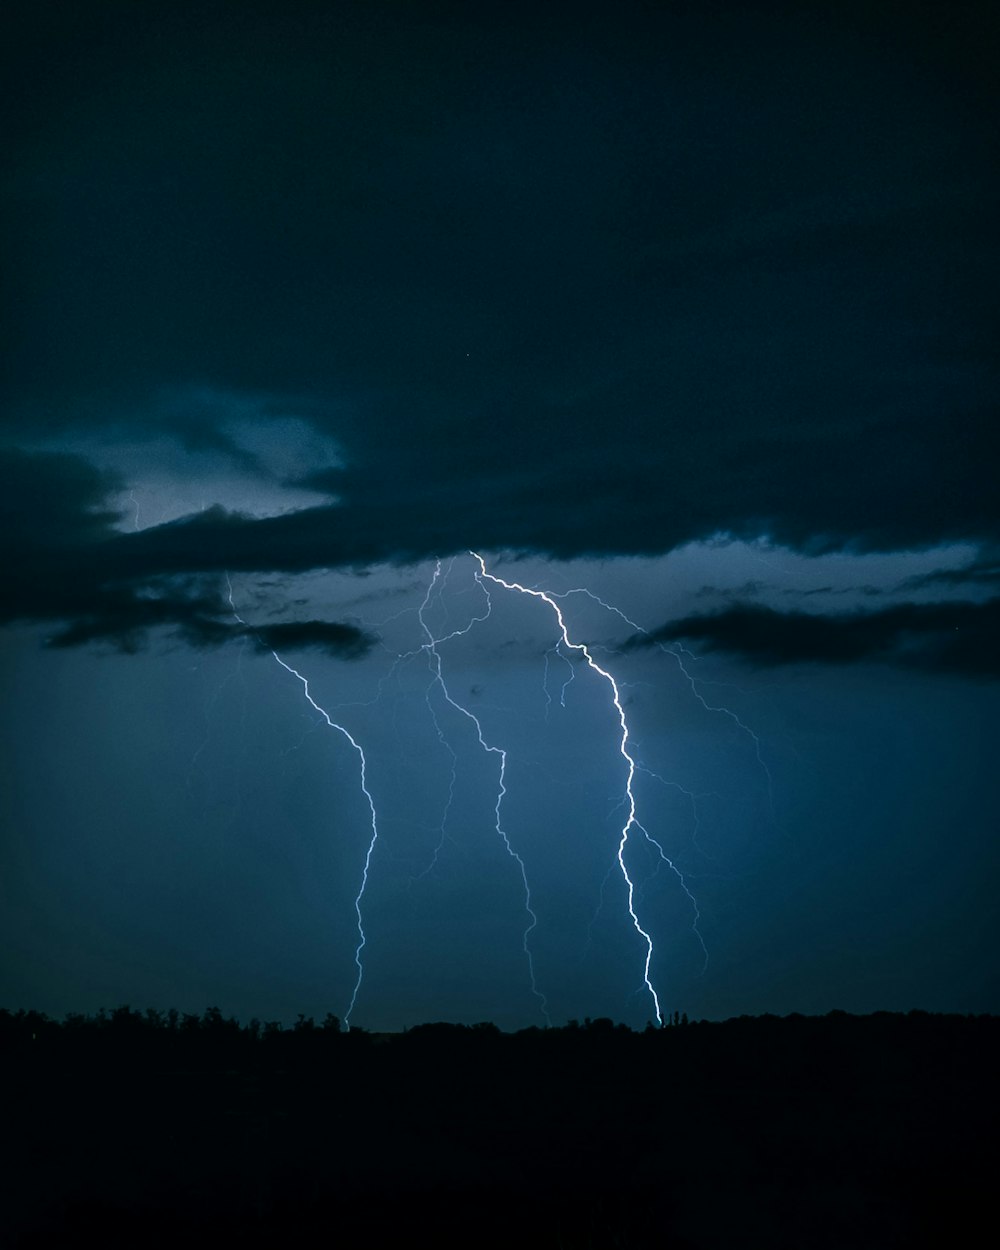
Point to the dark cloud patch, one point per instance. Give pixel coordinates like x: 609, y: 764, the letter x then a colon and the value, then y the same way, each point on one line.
x: 58, y: 539
x: 51, y: 501
x: 343, y: 641
x: 124, y: 616
x: 54, y: 516
x: 956, y: 638
x: 983, y: 573
x: 748, y: 590
x: 869, y: 592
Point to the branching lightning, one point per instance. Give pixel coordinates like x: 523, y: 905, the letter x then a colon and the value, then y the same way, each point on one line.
x: 623, y: 746
x: 431, y: 646
x: 677, y: 653
x: 437, y: 694
x: 362, y: 939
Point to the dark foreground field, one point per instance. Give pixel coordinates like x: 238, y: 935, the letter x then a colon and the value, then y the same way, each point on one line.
x: 838, y: 1131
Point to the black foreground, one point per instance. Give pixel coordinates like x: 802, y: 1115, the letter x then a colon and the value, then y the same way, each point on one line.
x: 141, y: 1129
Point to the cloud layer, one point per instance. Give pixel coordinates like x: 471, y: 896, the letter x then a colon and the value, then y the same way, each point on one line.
x: 579, y: 288
x: 937, y: 637
x: 58, y: 541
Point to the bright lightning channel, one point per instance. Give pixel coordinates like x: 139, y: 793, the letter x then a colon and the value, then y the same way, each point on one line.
x: 362, y: 939
x: 431, y: 646
x: 632, y: 821
x: 692, y: 681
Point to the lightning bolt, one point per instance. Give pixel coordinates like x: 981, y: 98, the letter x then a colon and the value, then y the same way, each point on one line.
x: 623, y: 746
x: 693, y: 684
x: 431, y: 647
x: 563, y: 648
x: 663, y: 858
x: 356, y: 746
x: 676, y: 653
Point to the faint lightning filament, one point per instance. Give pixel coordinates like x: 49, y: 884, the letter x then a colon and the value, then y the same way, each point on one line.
x: 432, y: 648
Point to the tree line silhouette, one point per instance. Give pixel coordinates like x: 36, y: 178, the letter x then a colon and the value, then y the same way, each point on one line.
x: 159, y: 1128
x: 158, y: 1036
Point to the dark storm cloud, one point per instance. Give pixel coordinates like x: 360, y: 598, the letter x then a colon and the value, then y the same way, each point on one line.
x: 53, y: 515
x: 941, y: 637
x: 55, y: 532
x: 983, y: 573
x: 589, y: 286
x: 125, y: 617
x: 345, y: 641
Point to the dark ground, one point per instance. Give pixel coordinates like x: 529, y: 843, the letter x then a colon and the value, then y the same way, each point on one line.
x: 837, y: 1131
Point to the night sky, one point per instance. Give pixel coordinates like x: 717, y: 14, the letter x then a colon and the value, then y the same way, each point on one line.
x: 689, y: 306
